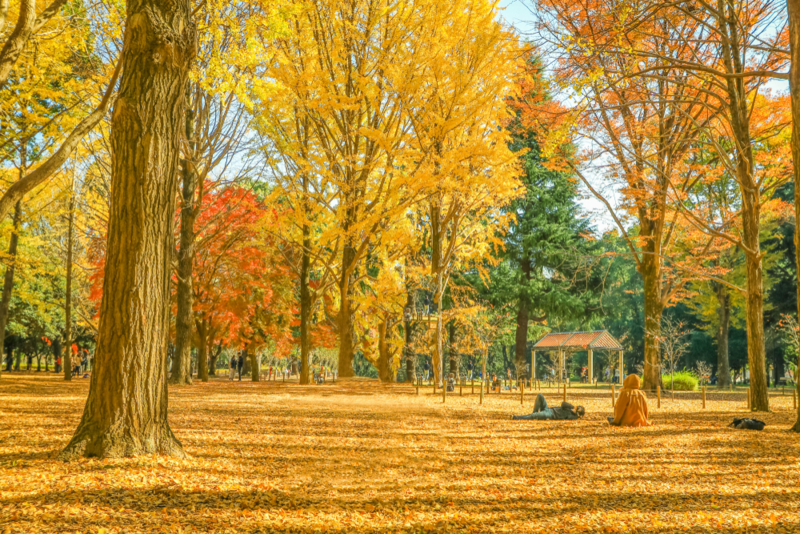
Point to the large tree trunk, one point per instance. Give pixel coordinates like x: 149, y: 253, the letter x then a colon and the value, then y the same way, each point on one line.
x: 438, y: 351
x: 451, y: 349
x: 202, y: 356
x: 212, y: 364
x: 756, y: 351
x: 733, y: 58
x: 794, y: 84
x: 181, y: 370
x: 8, y: 280
x: 68, y: 296
x: 653, y: 309
x: 305, y: 309
x: 126, y: 410
x: 408, y: 333
x: 346, y: 331
x: 384, y: 361
x: 255, y: 365
x: 521, y: 338
x: 723, y: 330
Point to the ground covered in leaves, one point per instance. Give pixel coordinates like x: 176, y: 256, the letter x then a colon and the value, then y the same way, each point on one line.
x: 361, y: 457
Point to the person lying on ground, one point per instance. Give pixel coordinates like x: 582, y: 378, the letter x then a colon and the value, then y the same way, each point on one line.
x: 631, y: 406
x: 541, y: 412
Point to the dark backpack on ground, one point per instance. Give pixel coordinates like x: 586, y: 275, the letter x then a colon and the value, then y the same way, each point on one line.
x: 748, y: 424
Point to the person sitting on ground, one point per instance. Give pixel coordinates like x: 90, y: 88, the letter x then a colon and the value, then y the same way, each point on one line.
x: 541, y: 412
x: 631, y: 406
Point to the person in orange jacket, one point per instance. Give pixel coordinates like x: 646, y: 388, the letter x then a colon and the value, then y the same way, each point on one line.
x: 631, y: 407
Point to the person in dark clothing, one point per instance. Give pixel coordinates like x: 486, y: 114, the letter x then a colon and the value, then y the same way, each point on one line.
x: 541, y: 412
x: 240, y: 365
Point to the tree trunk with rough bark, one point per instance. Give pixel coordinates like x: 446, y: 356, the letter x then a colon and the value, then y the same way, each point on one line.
x: 723, y: 330
x: 202, y: 356
x: 756, y: 350
x: 181, y: 371
x: 8, y: 279
x: 212, y: 364
x: 68, y: 296
x: 733, y: 55
x: 384, y: 359
x: 305, y: 309
x: 345, y: 320
x: 126, y: 410
x: 521, y: 337
x: 451, y: 349
x: 653, y: 309
x: 408, y: 333
x: 202, y: 351
x: 794, y: 84
x: 255, y: 365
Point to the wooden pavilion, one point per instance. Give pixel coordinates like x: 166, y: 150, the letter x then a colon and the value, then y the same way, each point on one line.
x: 566, y: 343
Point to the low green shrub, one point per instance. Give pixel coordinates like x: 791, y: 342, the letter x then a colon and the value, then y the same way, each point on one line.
x: 684, y: 381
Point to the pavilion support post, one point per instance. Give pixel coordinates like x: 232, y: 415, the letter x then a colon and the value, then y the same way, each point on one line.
x: 533, y: 365
x: 591, y: 366
x: 621, y: 367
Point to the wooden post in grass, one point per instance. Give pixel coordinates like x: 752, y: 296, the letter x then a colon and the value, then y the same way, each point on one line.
x: 613, y: 395
x: 658, y: 392
x: 472, y: 392
x: 704, y: 397
x: 418, y: 379
x: 748, y: 400
x: 522, y: 393
x: 565, y: 392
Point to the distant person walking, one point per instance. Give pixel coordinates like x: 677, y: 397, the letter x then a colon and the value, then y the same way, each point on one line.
x: 232, y: 366
x: 240, y: 365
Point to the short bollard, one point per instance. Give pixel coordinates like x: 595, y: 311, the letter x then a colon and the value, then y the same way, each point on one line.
x: 472, y: 391
x: 522, y: 393
x: 749, y: 401
x: 658, y: 392
x: 704, y: 397
x: 418, y: 379
x: 565, y: 392
x: 613, y: 395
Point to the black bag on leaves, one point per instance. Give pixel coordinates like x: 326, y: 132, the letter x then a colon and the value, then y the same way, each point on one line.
x: 748, y: 424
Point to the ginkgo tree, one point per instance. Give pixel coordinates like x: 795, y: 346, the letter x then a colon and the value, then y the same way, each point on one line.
x: 352, y: 86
